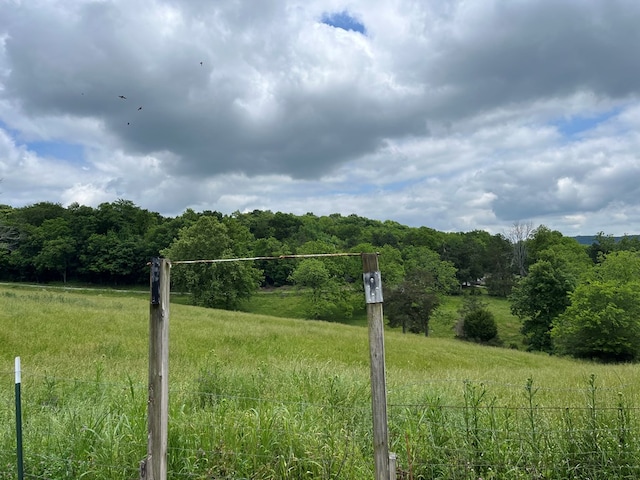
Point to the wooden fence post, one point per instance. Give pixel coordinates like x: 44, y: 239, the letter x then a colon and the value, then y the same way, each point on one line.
x: 154, y: 466
x: 373, y: 296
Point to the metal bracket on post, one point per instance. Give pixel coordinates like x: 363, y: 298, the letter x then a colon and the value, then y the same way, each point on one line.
x: 372, y: 287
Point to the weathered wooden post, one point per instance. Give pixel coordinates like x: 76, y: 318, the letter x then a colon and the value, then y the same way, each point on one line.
x: 154, y: 466
x: 373, y: 296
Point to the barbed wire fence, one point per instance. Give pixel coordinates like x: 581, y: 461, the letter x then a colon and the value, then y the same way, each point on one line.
x: 471, y: 436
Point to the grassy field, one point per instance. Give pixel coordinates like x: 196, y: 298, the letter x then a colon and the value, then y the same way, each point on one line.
x: 263, y: 397
x: 289, y: 303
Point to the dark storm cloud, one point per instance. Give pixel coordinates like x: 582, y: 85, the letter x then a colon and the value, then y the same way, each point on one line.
x: 489, y: 108
x: 78, y: 62
x: 499, y: 52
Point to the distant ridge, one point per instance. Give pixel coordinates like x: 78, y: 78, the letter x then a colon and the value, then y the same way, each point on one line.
x: 586, y: 239
x: 589, y: 239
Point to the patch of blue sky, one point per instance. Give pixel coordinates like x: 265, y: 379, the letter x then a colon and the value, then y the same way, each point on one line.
x: 578, y: 124
x: 12, y: 132
x: 370, y: 188
x: 68, y: 152
x: 401, y: 185
x: 345, y: 21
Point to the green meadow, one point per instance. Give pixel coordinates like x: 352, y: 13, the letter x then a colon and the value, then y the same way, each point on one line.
x: 262, y: 396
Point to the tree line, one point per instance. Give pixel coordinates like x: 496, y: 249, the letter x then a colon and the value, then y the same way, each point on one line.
x: 544, y: 274
x: 112, y: 243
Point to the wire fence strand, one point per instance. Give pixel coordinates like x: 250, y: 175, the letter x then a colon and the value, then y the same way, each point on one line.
x: 226, y: 434
x: 279, y: 257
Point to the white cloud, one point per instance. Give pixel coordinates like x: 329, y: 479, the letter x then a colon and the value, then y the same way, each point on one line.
x: 446, y: 113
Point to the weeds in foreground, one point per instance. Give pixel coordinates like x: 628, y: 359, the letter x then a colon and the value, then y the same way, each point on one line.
x: 264, y: 398
x: 310, y: 423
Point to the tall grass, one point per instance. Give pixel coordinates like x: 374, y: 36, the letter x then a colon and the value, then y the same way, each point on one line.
x: 254, y: 396
x: 290, y: 303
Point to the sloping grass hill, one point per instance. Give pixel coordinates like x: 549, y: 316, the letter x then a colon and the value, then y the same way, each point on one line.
x: 255, y: 396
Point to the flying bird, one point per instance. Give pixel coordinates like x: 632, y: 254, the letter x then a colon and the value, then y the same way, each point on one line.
x: 200, y: 63
x: 139, y: 108
x: 122, y: 97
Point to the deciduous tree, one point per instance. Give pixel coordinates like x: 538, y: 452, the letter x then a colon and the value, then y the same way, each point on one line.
x: 219, y: 285
x: 411, y: 304
x: 500, y: 274
x: 602, y: 320
x: 540, y: 297
x: 328, y: 296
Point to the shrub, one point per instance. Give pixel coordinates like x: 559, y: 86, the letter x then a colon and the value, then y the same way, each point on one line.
x: 479, y: 326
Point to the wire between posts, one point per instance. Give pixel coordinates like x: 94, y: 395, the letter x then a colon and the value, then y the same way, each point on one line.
x: 279, y: 257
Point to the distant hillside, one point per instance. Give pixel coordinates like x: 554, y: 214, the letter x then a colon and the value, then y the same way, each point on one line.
x: 589, y: 239
x: 585, y: 239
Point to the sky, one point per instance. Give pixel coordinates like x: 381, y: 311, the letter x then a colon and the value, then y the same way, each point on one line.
x: 457, y: 115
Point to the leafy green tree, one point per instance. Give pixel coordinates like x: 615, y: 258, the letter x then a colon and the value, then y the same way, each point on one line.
x: 467, y: 253
x: 442, y: 273
x: 334, y: 296
x: 327, y: 295
x: 388, y: 233
x: 340, y: 267
x: 59, y: 248
x: 545, y: 242
x: 10, y: 238
x: 108, y: 259
x: 124, y: 218
x: 540, y: 297
x: 160, y: 235
x: 500, y: 273
x: 82, y: 221
x: 411, y: 304
x: 621, y: 267
x: 37, y: 213
x: 628, y: 243
x: 425, y: 237
x: 285, y: 226
x: 276, y: 272
x: 602, y: 320
x: 20, y: 260
x: 351, y: 230
x: 57, y: 255
x: 601, y: 246
x: 390, y: 262
x: 217, y: 285
x: 318, y: 228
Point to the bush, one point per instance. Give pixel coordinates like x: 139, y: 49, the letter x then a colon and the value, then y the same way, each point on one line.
x: 479, y: 326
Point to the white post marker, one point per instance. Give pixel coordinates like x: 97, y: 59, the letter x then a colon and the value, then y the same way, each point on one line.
x: 19, y: 423
x: 18, y: 370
